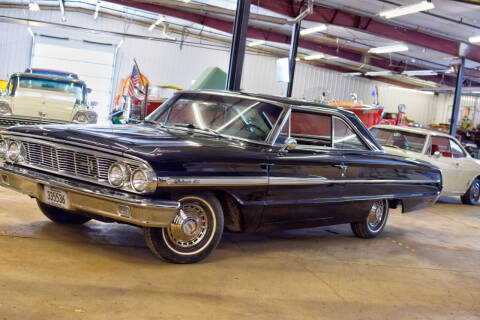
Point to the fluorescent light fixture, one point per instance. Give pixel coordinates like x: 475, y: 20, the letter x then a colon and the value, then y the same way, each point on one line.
x: 388, y: 49
x: 320, y: 27
x: 379, y: 73
x: 256, y: 43
x: 31, y: 32
x: 419, y: 73
x: 298, y: 59
x: 474, y: 39
x: 351, y: 74
x: 33, y: 6
x: 186, y: 1
x: 475, y: 91
x: 331, y: 57
x: 97, y: 7
x: 413, y: 90
x: 156, y: 23
x: 315, y: 56
x: 407, y: 9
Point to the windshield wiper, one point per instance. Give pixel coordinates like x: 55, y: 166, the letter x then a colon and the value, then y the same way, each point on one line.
x: 192, y: 126
x: 392, y: 146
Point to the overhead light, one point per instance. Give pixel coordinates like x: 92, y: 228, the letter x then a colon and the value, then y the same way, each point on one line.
x: 97, y: 8
x: 351, y: 74
x: 156, y: 23
x: 379, y: 73
x: 474, y: 39
x: 315, y: 56
x: 256, y: 43
x: 412, y: 90
x: 475, y: 91
x: 186, y: 1
x: 419, y: 73
x: 320, y: 27
x: 388, y: 49
x: 33, y: 6
x: 298, y: 59
x: 331, y: 57
x: 31, y: 32
x: 407, y: 9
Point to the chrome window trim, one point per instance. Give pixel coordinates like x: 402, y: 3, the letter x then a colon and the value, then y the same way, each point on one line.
x: 349, y: 126
x: 137, y: 162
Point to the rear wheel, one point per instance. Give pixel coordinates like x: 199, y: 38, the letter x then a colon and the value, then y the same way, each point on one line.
x: 374, y: 223
x: 61, y: 216
x: 193, y: 233
x: 473, y: 193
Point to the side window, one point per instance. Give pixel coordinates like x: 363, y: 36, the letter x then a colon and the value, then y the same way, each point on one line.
x: 344, y: 137
x: 310, y: 128
x: 442, y: 145
x: 457, y: 151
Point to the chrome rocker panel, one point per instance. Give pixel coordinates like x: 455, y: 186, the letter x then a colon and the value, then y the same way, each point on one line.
x: 96, y: 200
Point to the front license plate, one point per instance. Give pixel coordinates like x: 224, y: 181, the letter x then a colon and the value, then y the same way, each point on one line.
x: 56, y: 197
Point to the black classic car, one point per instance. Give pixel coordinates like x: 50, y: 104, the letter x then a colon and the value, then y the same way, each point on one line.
x: 211, y: 160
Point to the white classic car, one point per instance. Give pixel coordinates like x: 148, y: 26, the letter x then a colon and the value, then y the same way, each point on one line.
x: 34, y: 98
x: 460, y: 172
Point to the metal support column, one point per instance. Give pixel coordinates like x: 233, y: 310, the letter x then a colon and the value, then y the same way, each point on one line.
x: 292, y: 56
x: 237, y: 49
x: 456, y: 100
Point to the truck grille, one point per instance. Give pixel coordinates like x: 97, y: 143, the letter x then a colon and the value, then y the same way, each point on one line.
x: 69, y: 162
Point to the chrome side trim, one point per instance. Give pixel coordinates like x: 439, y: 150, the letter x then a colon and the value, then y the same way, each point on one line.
x: 277, y: 181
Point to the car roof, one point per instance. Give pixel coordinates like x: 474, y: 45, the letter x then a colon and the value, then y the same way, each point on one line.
x: 65, y: 73
x: 413, y: 130
x: 278, y: 99
x: 46, y: 77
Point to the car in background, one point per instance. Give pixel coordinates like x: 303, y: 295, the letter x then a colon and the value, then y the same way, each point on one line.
x: 50, y: 72
x: 33, y: 99
x: 209, y: 160
x: 460, y: 172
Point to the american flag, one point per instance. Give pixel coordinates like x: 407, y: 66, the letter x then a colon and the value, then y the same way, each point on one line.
x: 134, y: 81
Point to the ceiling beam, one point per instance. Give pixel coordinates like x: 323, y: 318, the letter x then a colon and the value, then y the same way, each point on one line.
x: 366, y: 24
x: 270, y: 35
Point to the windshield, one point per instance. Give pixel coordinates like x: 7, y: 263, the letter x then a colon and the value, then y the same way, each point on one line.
x: 232, y: 116
x: 77, y: 89
x: 399, y: 139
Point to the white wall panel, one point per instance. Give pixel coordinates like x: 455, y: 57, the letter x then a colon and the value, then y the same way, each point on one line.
x: 166, y: 63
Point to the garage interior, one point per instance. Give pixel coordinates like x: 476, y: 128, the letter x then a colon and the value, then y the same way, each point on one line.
x: 423, y: 266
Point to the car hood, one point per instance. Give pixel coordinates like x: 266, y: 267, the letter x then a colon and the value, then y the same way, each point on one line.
x: 134, y: 139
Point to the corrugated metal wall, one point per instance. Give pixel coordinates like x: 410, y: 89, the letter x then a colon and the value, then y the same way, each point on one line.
x: 168, y: 63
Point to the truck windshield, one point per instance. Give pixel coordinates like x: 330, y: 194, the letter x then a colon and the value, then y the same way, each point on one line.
x: 231, y: 116
x: 399, y: 139
x: 76, y: 89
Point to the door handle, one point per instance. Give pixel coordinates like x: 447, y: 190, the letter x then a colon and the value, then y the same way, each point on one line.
x: 266, y: 166
x: 342, y: 167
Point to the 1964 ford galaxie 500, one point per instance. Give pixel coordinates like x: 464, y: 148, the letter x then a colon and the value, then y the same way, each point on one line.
x: 209, y: 160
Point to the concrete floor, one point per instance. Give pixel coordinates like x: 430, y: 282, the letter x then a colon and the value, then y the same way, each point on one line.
x: 426, y: 265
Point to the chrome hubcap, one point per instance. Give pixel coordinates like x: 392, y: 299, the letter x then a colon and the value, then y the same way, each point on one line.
x: 476, y: 190
x: 376, y: 215
x: 189, y: 226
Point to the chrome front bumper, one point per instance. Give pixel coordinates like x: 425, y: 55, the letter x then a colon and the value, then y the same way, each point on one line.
x: 93, y: 199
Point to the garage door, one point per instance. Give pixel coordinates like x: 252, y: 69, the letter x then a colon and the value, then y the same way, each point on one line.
x: 93, y: 62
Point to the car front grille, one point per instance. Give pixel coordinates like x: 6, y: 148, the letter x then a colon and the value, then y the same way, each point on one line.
x: 70, y: 161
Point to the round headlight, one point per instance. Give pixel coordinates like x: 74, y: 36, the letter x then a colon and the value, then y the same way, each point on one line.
x: 143, y: 180
x: 117, y: 174
x: 4, y: 109
x: 15, y: 152
x: 81, y: 117
x: 3, y: 149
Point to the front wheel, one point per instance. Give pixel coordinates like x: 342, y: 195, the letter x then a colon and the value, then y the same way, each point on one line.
x: 473, y: 193
x: 193, y: 233
x: 374, y: 223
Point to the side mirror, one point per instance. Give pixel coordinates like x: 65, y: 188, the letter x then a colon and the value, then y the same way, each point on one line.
x: 290, y: 144
x: 437, y: 154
